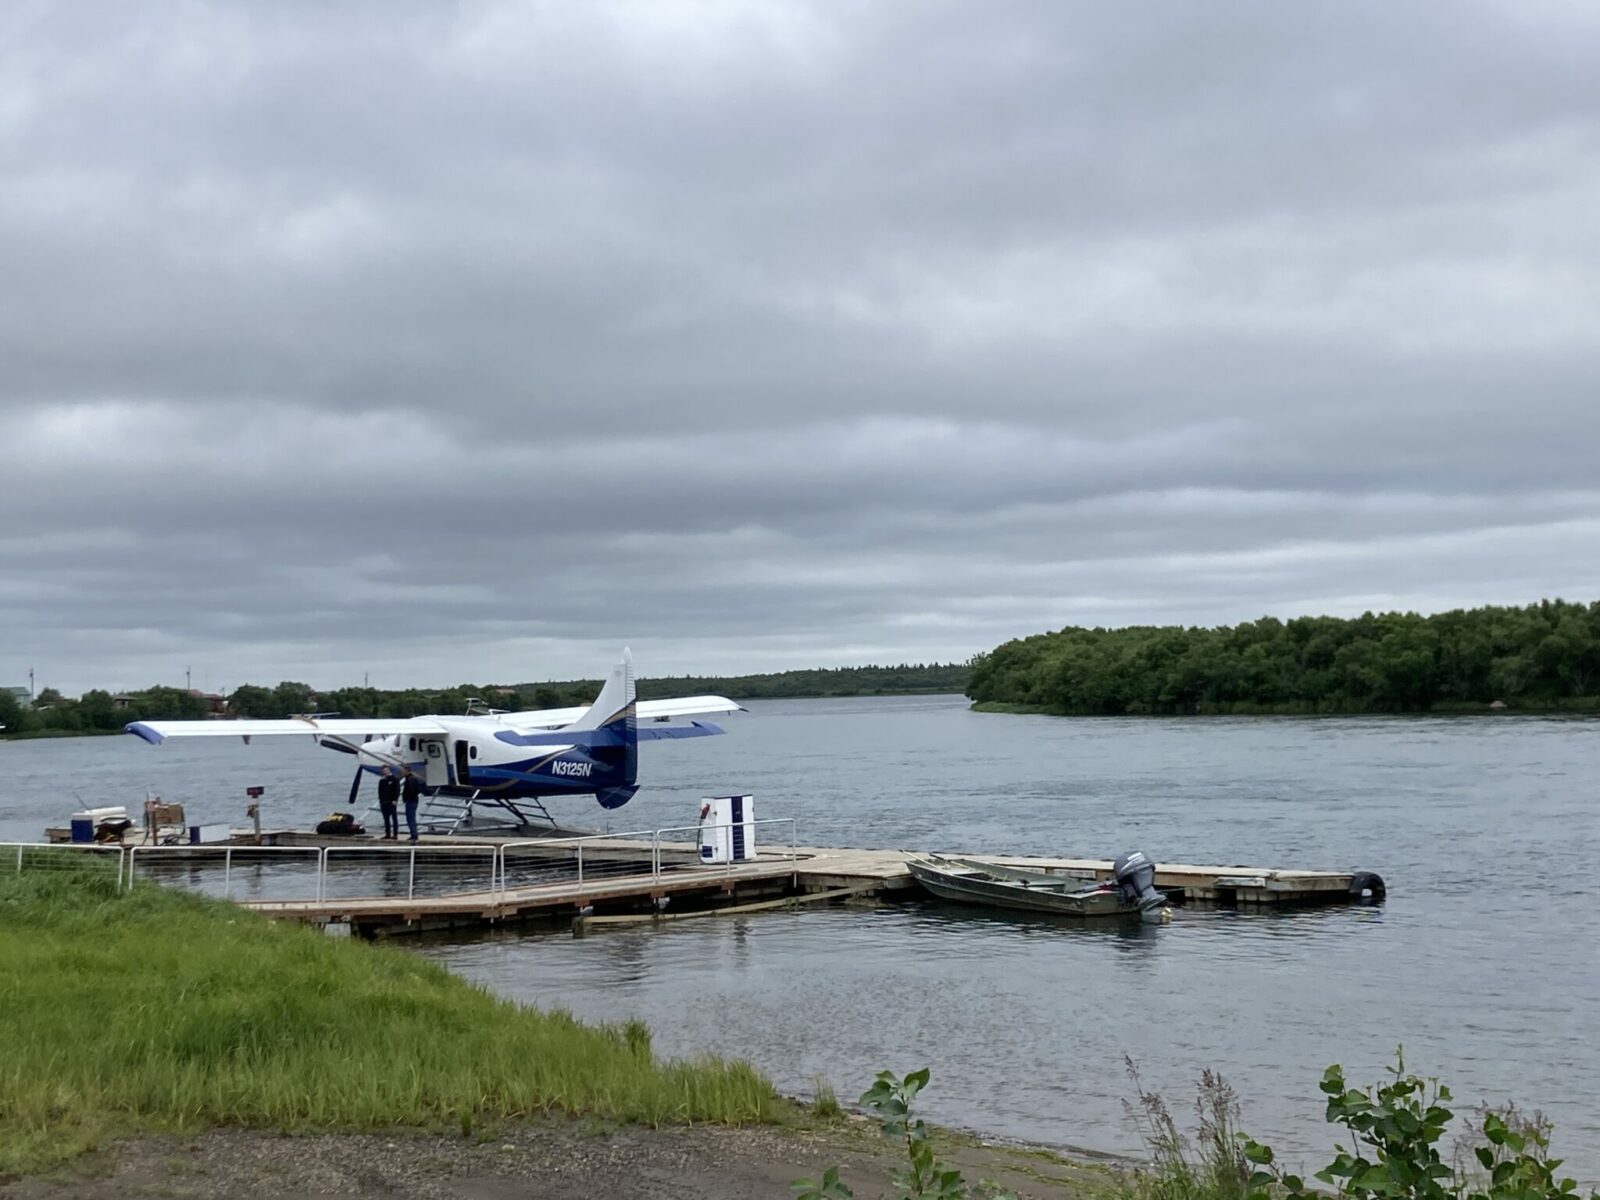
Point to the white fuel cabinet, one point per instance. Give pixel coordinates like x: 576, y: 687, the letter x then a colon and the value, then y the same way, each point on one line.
x: 727, y: 829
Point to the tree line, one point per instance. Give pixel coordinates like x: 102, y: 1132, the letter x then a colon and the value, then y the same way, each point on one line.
x: 1541, y: 656
x: 902, y: 680
x: 99, y: 711
x: 96, y: 711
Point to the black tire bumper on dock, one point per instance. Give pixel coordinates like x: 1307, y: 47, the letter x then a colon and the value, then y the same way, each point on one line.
x: 1368, y: 885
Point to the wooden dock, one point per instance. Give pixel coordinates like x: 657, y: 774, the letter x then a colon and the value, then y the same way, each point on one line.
x: 675, y: 884
x: 378, y: 887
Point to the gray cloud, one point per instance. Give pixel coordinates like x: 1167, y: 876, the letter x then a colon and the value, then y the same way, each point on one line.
x: 469, y: 342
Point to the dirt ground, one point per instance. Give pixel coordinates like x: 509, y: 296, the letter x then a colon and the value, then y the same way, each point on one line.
x: 554, y: 1161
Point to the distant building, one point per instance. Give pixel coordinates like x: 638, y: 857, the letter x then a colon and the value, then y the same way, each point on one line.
x: 20, y: 694
x: 216, y: 705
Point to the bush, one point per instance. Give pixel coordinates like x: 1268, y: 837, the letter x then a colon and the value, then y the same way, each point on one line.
x: 923, y: 1177
x: 1396, y: 1129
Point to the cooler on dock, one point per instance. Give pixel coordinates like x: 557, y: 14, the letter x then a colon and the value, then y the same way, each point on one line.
x: 727, y: 829
x: 83, y: 823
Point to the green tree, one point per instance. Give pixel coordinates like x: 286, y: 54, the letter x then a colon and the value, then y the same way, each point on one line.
x: 14, y: 716
x: 63, y: 715
x: 351, y: 702
x: 290, y: 699
x: 1568, y: 654
x: 250, y: 700
x: 167, y: 704
x: 1545, y: 653
x: 98, y: 711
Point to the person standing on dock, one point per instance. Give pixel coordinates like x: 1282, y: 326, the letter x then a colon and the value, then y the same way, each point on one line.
x: 411, y: 788
x: 389, y: 804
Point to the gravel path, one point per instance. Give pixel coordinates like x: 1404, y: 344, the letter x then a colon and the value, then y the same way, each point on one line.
x: 552, y: 1161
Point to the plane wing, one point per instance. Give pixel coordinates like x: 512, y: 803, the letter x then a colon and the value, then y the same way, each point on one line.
x: 156, y: 732
x: 591, y: 739
x: 651, y: 714
x: 686, y: 706
x: 646, y: 710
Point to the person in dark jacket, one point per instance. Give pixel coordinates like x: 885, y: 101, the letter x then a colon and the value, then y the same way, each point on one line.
x: 410, y: 789
x: 389, y: 804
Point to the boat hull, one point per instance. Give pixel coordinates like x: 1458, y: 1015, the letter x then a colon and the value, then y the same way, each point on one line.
x: 1068, y: 898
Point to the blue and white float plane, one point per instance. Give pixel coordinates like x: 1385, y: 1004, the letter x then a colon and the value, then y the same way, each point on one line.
x: 495, y: 759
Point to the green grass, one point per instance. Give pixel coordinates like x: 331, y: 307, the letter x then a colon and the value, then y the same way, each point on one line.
x: 1212, y: 1166
x: 825, y: 1101
x: 159, y: 1010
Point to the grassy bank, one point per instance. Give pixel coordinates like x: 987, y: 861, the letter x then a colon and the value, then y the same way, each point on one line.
x: 159, y: 1010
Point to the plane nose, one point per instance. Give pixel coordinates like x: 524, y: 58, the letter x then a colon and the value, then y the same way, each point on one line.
x: 379, y: 752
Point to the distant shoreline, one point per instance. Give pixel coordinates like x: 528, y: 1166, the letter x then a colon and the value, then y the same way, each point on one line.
x: 28, y: 735
x: 51, y: 714
x: 1577, y: 706
x: 1541, y: 657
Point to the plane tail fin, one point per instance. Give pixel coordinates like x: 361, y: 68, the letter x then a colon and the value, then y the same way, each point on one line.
x: 614, y: 710
x: 615, y: 701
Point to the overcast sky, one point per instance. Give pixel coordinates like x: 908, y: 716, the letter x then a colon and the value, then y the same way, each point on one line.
x: 471, y: 342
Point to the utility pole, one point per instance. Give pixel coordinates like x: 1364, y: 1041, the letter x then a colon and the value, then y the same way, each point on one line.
x: 188, y: 683
x: 30, y: 685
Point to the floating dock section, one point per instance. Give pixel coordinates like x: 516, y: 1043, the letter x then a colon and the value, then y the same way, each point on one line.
x: 674, y: 884
x: 377, y: 888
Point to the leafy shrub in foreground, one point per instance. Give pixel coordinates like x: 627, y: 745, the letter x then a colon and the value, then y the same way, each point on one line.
x: 1396, y: 1128
x: 923, y: 1177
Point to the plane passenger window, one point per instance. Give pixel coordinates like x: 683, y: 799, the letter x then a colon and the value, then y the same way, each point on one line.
x: 472, y: 752
x: 413, y: 743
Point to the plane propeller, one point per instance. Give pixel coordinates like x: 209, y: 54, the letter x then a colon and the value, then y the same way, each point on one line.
x: 365, y: 756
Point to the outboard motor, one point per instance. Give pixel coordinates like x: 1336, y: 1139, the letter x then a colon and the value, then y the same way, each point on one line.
x: 1135, y: 876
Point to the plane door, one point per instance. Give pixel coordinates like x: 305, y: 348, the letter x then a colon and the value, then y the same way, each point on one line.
x: 435, y: 766
x: 463, y: 770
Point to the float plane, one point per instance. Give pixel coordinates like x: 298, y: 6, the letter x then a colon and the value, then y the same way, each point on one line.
x: 491, y: 759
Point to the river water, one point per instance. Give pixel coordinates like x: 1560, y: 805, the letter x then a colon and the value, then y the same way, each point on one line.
x: 1484, y: 961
